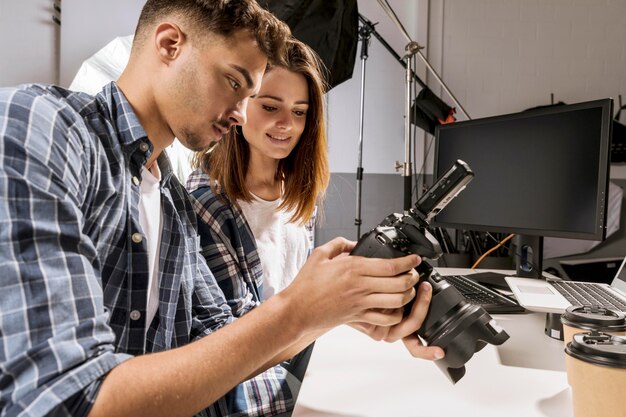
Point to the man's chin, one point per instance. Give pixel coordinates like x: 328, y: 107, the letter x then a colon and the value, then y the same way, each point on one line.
x: 199, y: 145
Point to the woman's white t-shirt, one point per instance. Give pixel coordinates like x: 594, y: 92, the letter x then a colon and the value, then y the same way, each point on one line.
x: 283, y: 246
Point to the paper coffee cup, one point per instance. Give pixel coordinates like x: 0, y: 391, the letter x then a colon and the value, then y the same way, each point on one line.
x: 596, y: 372
x: 577, y: 319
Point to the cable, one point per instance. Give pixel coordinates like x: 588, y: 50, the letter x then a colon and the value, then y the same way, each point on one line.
x: 479, y: 260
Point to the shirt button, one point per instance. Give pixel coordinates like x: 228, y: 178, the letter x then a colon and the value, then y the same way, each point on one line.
x: 144, y: 146
x: 136, y: 237
x: 135, y: 315
x: 136, y: 181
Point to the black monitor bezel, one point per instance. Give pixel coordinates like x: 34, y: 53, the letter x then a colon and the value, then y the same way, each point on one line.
x: 603, y: 167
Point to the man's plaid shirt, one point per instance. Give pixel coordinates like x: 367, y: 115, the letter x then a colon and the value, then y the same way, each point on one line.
x: 73, y: 286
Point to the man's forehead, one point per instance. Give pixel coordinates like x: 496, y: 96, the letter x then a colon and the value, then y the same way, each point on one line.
x: 243, y: 51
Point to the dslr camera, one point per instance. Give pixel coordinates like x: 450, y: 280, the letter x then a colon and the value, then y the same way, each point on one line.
x: 452, y: 323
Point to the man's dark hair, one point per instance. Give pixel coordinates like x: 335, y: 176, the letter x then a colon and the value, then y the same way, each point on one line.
x: 222, y: 17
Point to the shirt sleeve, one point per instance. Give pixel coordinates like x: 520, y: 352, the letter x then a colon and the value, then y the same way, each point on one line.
x: 55, y: 343
x: 211, y: 312
x: 224, y: 250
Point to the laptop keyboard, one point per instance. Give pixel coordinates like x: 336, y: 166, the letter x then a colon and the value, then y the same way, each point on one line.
x: 583, y: 294
x: 490, y: 300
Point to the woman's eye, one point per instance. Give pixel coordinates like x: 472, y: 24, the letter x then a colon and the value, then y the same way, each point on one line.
x: 300, y: 113
x: 268, y: 108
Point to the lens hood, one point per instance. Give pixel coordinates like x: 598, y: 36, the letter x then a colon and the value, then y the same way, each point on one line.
x: 458, y: 327
x: 471, y: 330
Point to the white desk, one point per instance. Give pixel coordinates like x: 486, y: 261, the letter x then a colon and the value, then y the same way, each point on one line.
x: 351, y: 375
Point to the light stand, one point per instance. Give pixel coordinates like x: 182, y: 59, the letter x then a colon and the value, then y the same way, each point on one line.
x: 412, y: 49
x: 365, y: 32
x: 407, y: 168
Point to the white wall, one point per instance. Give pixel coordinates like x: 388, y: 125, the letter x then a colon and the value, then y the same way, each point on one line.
x: 496, y: 56
x: 29, y: 47
x: 35, y: 49
x: 502, y: 56
x: 90, y: 25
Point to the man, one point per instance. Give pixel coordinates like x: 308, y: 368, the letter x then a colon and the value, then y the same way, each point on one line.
x: 98, y: 248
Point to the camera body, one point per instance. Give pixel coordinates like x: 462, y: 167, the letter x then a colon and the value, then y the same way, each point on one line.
x: 400, y: 235
x: 458, y: 327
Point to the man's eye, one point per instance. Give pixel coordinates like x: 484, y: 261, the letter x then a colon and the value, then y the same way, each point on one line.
x: 268, y: 108
x: 234, y: 84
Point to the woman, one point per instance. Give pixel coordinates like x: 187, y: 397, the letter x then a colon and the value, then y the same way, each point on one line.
x: 257, y: 191
x: 260, y: 185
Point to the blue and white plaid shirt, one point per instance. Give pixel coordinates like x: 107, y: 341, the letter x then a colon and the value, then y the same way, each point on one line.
x: 73, y: 261
x: 229, y: 247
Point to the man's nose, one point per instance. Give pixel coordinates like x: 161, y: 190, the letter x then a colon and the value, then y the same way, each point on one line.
x: 238, y: 113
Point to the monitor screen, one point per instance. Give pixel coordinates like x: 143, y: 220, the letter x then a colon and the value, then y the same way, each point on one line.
x: 542, y: 172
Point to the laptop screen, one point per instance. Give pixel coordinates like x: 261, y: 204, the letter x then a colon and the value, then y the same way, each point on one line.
x: 620, y: 278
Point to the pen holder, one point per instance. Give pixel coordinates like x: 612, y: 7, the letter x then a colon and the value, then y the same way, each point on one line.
x: 554, y: 327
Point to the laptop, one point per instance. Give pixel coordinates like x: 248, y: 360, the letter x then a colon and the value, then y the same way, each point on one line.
x: 554, y: 296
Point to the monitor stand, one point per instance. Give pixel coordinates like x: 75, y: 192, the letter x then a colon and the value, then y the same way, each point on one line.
x: 529, y: 264
x: 528, y: 256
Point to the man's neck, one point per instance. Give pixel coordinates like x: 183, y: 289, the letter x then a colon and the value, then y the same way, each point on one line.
x: 138, y: 92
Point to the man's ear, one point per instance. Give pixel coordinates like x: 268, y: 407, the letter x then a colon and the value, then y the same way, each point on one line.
x: 169, y: 39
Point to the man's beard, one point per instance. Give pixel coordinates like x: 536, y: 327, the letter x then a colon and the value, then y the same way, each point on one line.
x: 192, y: 141
x: 195, y: 142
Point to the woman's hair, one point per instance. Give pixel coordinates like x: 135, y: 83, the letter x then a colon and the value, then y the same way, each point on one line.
x: 304, y: 172
x: 222, y: 17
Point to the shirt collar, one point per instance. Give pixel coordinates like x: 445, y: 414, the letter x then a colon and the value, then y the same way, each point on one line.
x: 131, y: 134
x: 198, y: 178
x: 165, y: 166
x: 127, y: 124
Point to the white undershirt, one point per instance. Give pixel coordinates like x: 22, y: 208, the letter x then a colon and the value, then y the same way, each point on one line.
x: 150, y: 218
x: 283, y: 246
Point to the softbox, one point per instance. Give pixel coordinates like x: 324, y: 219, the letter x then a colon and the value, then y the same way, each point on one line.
x: 428, y: 111
x: 329, y: 27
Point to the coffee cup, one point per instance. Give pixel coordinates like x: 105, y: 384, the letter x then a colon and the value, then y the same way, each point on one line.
x: 596, y: 372
x: 577, y: 319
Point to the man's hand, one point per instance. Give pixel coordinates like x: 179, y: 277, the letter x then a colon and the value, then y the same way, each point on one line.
x: 407, y: 328
x: 333, y: 289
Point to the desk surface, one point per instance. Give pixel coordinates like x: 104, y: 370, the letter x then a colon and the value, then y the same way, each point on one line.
x: 351, y: 375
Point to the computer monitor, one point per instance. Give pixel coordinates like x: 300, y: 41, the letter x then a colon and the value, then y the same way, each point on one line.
x: 541, y: 172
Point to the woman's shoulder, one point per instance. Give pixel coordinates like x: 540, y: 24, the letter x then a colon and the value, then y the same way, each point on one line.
x: 209, y: 202
x: 198, y: 180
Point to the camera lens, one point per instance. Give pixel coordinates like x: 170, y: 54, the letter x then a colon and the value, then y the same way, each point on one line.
x: 458, y: 327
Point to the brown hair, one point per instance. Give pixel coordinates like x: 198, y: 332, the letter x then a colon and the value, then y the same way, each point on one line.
x: 304, y: 172
x: 222, y: 17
